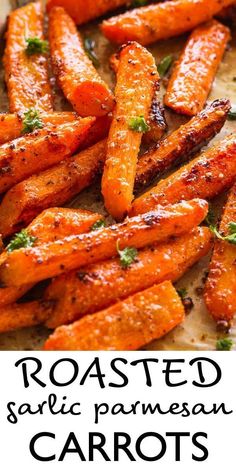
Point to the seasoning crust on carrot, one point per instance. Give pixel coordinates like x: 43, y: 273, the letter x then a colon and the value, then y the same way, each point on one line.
x: 26, y: 75
x: 194, y: 72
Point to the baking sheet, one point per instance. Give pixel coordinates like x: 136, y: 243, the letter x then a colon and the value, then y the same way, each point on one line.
x: 198, y: 332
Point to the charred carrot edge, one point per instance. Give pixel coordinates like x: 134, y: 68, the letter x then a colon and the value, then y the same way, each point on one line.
x: 128, y: 325
x: 205, y: 177
x: 23, y: 315
x: 39, y: 150
x: 26, y: 76
x: 164, y: 20
x: 137, y: 79
x: 182, y: 143
x: 50, y: 225
x: 220, y: 290
x: 98, y: 286
x: 52, y: 187
x: 30, y: 265
x: 76, y: 75
x: 156, y: 119
x: 81, y: 13
x: 191, y: 80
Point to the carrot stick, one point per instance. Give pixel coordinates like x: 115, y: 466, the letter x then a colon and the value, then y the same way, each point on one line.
x: 26, y: 75
x: 137, y: 79
x: 220, y: 290
x: 98, y: 286
x: 23, y: 315
x: 53, y: 187
x: 30, y: 265
x: 39, y: 150
x: 205, y: 177
x: 182, y: 143
x: 76, y: 75
x: 164, y: 20
x: 128, y: 325
x: 191, y: 80
x: 82, y: 13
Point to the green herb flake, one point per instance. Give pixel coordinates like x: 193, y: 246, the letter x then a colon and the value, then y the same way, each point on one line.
x: 139, y: 3
x: 164, y: 65
x: 89, y: 45
x: 210, y: 218
x: 182, y: 292
x: 36, y: 46
x: 31, y: 121
x: 20, y: 240
x: 232, y: 113
x: 127, y: 255
x: 98, y: 225
x: 230, y: 238
x: 138, y: 124
x: 224, y: 344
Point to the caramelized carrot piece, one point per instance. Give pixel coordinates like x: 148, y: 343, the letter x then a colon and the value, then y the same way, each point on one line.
x: 182, y: 143
x: 193, y: 74
x: 205, y: 177
x: 39, y: 150
x: 52, y: 187
x: 164, y: 20
x: 98, y: 286
x: 128, y: 325
x: 137, y: 78
x: 82, y: 13
x: 76, y: 75
x: 32, y: 264
x: 9, y: 295
x: 23, y: 315
x: 26, y: 76
x: 220, y: 290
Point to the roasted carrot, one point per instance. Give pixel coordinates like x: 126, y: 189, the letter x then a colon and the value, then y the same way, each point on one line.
x: 98, y: 131
x: 30, y: 265
x: 220, y: 290
x: 205, y: 177
x: 182, y: 143
x: 23, y: 315
x: 39, y: 150
x: 9, y: 295
x: 82, y: 13
x: 164, y: 20
x: 98, y: 286
x: 191, y: 80
x: 128, y: 325
x: 76, y: 75
x: 26, y: 75
x: 137, y: 79
x: 52, y: 187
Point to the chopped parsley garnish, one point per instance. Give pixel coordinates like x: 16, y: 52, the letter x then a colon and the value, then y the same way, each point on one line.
x: 36, y: 46
x: 139, y: 124
x: 232, y: 113
x: 224, y: 344
x: 31, y: 121
x: 182, y: 292
x: 164, y: 65
x: 98, y: 224
x: 127, y: 255
x: 20, y: 240
x: 89, y: 45
x: 230, y: 238
x: 210, y: 218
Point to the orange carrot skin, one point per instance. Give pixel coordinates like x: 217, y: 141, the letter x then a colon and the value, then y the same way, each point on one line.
x: 76, y: 75
x: 98, y: 286
x: 205, y: 177
x: 81, y: 13
x: 164, y: 20
x: 23, y: 315
x: 137, y: 79
x: 220, y: 290
x: 39, y: 150
x: 26, y: 76
x: 30, y: 265
x: 128, y: 325
x: 182, y: 143
x: 52, y: 187
x: 193, y: 74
